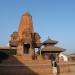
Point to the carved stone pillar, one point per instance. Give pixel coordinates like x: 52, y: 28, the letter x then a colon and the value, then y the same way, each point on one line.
x: 20, y: 49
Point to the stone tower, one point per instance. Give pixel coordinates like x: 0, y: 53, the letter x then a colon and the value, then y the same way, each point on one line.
x: 26, y: 25
x: 25, y: 40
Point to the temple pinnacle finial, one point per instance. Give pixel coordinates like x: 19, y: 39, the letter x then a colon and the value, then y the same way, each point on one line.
x: 48, y: 37
x: 26, y: 14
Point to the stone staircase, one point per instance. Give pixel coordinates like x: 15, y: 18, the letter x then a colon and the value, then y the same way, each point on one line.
x: 27, y: 59
x: 25, y: 63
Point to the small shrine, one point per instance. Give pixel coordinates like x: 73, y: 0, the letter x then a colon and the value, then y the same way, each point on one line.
x: 49, y: 50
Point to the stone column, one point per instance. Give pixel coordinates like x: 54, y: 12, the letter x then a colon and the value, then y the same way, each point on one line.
x: 20, y: 49
x: 58, y: 64
x: 40, y: 51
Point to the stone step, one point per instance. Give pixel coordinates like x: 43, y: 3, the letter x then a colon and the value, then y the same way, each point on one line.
x: 39, y: 69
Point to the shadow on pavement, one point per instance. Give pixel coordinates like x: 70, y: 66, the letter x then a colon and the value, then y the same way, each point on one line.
x: 12, y: 66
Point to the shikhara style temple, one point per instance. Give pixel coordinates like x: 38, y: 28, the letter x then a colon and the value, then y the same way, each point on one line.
x: 25, y: 41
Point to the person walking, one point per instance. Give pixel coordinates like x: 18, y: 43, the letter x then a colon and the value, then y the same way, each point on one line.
x: 54, y: 65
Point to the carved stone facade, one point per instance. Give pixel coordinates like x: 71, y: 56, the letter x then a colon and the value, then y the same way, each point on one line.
x: 25, y: 39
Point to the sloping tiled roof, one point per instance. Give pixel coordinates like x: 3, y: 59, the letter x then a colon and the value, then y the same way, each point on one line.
x: 49, y: 41
x: 13, y: 43
x: 52, y: 48
x: 14, y: 34
x: 37, y: 34
x: 3, y: 48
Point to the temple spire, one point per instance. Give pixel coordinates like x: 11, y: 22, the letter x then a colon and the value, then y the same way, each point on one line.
x: 26, y: 24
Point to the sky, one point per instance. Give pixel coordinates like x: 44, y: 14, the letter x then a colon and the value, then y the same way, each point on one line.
x: 53, y: 18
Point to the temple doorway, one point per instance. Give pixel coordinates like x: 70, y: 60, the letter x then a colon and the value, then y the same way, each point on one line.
x: 50, y: 56
x: 26, y: 48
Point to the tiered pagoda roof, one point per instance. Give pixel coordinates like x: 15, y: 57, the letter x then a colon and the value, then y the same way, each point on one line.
x: 51, y: 48
x: 50, y: 41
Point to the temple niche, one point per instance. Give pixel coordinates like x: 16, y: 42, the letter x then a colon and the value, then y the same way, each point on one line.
x: 25, y: 40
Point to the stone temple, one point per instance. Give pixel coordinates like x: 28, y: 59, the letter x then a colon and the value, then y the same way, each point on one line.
x: 25, y: 41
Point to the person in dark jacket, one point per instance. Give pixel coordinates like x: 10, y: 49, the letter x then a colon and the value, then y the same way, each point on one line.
x: 54, y: 65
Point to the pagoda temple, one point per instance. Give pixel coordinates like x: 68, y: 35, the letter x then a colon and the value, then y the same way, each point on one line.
x: 49, y: 49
